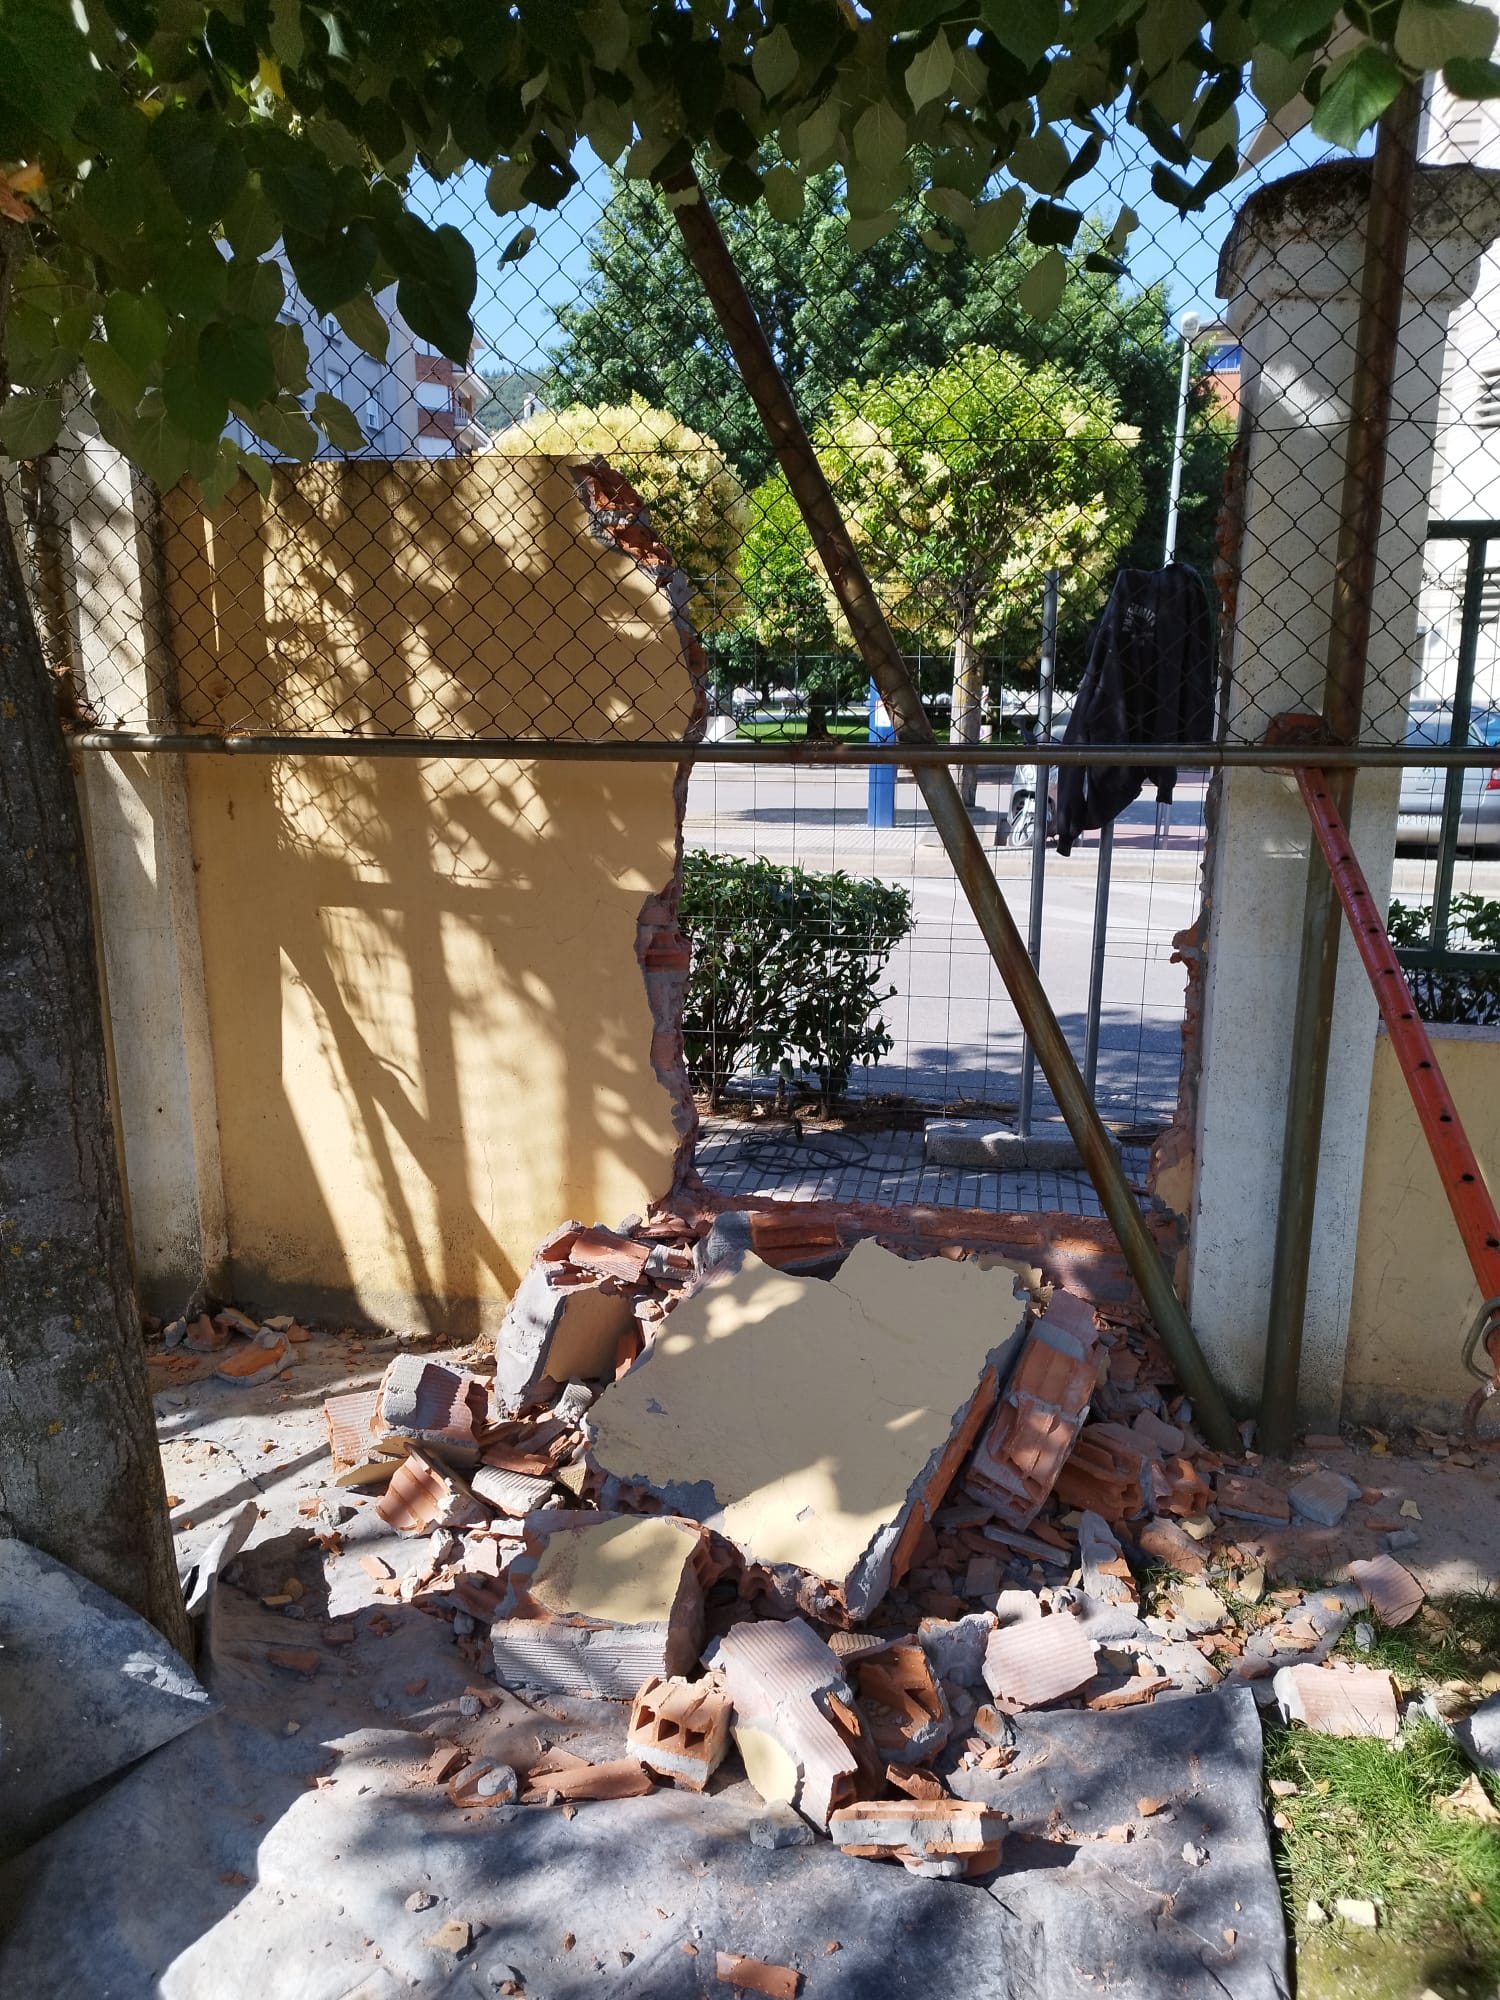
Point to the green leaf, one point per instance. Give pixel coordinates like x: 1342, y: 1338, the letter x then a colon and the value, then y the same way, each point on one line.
x: 215, y: 480
x: 289, y: 356
x: 257, y: 289
x: 336, y: 421
x: 157, y: 443
x: 784, y: 193
x: 1028, y: 28
x: 137, y: 327
x: 863, y: 230
x: 502, y: 190
x: 880, y: 139
x: 994, y: 222
x: 1164, y: 29
x: 818, y: 135
x: 774, y: 62
x: 1467, y: 78
x: 930, y: 72
x: 1052, y: 222
x: 46, y: 71
x: 116, y: 378
x: 433, y: 314
x: 937, y: 240
x: 1119, y: 235
x: 194, y: 404
x: 235, y: 360
x: 1431, y: 36
x: 252, y: 463
x: 287, y: 40
x: 365, y: 325
x: 302, y: 191
x: 1040, y: 291
x: 1276, y: 79
x: 283, y: 426
x: 193, y: 281
x: 1357, y: 88
x: 334, y: 267
x: 1294, y: 25
x: 200, y: 160
x: 1171, y: 187
x: 1041, y: 160
x: 29, y: 425
x: 951, y: 204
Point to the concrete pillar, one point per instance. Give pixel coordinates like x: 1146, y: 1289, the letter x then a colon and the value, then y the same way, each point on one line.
x: 136, y: 820
x: 1291, y: 271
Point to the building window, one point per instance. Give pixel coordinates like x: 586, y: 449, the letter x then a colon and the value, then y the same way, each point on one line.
x: 1489, y: 597
x: 374, y: 417
x: 330, y: 327
x: 1487, y: 407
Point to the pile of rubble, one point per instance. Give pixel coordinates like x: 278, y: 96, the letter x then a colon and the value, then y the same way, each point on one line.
x: 842, y: 1525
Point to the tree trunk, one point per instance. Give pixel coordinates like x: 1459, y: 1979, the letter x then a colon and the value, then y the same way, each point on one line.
x: 965, y: 710
x: 80, y: 1474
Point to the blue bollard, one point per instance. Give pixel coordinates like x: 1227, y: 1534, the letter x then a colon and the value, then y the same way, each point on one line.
x: 881, y: 807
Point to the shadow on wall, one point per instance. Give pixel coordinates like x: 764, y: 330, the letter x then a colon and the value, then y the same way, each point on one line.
x: 430, y: 1028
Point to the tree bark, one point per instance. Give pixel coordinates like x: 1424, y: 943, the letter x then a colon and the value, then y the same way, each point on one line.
x: 80, y: 1473
x: 965, y: 710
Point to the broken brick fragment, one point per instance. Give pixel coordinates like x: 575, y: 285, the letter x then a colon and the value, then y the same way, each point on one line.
x: 1042, y: 1407
x: 1108, y: 1472
x: 680, y: 1729
x: 1339, y: 1700
x: 947, y: 1838
x: 422, y: 1496
x: 902, y: 1701
x: 608, y: 1255
x: 1390, y: 1589
x: 756, y: 1975
x: 795, y: 1724
x: 555, y: 1775
x: 1249, y: 1499
x: 254, y: 1362
x: 441, y: 1408
x: 1039, y: 1661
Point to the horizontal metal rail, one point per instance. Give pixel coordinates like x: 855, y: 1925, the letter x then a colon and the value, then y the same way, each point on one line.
x: 524, y: 749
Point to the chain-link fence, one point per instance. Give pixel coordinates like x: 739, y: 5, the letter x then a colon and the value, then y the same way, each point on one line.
x: 1183, y: 401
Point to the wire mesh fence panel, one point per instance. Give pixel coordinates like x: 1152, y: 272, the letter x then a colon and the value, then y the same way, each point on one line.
x: 581, y: 536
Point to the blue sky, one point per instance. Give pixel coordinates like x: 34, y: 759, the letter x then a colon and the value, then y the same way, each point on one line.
x: 514, y: 305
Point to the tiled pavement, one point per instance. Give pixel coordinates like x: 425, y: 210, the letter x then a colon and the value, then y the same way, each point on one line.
x: 741, y: 1159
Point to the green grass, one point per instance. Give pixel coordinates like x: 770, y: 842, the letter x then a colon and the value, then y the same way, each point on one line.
x: 1451, y: 1638
x: 1364, y: 1823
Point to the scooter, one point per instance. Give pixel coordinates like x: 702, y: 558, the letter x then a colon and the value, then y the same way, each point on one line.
x: 1023, y: 788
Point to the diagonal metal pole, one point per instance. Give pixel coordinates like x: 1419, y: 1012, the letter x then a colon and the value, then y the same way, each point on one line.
x: 757, y: 365
x: 1387, y: 233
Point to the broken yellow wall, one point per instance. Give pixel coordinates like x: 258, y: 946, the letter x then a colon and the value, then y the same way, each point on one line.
x: 430, y: 1033
x: 1414, y: 1293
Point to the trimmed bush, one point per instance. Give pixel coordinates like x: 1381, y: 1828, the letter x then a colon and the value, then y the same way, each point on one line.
x: 785, y: 971
x: 1471, y: 998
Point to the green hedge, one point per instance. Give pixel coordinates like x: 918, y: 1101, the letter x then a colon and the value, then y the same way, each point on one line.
x: 1467, y: 997
x: 786, y: 971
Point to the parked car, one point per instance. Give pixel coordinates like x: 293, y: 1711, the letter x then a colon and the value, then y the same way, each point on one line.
x: 1420, y: 813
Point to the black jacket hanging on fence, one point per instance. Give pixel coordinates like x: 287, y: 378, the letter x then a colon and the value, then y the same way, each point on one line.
x: 1149, y: 679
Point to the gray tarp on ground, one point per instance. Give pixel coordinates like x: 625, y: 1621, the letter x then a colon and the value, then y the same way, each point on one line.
x: 86, y: 1687
x: 220, y: 1870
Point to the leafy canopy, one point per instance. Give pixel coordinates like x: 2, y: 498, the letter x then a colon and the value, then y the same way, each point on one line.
x: 141, y: 139
x: 963, y: 485
x: 696, y: 501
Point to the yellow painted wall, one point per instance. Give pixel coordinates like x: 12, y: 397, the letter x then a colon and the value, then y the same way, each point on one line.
x: 1414, y: 1294
x: 429, y: 1025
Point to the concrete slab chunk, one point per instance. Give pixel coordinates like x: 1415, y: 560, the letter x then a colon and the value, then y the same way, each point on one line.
x: 814, y: 1424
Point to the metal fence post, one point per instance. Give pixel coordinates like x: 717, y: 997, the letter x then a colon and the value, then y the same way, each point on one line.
x: 1096, y: 954
x: 1040, y: 813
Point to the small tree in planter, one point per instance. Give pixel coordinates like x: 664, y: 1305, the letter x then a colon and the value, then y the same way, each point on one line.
x: 785, y: 971
x: 1470, y: 997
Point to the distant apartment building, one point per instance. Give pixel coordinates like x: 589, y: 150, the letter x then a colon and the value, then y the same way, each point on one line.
x: 1220, y: 355
x: 414, y: 404
x: 1466, y: 466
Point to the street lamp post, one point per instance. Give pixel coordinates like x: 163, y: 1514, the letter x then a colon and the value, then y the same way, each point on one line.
x: 1189, y: 330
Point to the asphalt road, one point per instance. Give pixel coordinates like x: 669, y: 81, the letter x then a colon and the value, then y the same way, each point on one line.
x: 955, y: 1031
